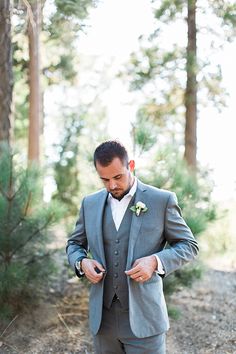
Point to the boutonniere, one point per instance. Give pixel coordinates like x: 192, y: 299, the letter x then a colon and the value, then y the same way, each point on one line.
x: 138, y: 208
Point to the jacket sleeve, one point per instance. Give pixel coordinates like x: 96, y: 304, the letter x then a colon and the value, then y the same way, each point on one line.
x: 77, y: 245
x: 182, y: 246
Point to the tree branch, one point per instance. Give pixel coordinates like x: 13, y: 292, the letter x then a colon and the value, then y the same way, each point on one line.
x: 24, y: 215
x: 30, y: 13
x: 30, y: 237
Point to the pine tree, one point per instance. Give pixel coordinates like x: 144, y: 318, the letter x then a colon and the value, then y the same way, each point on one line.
x: 24, y: 224
x: 167, y: 68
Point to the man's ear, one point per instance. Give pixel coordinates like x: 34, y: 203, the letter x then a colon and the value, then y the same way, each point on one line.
x: 132, y: 165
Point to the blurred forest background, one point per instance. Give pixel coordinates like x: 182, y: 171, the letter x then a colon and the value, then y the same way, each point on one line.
x: 75, y: 73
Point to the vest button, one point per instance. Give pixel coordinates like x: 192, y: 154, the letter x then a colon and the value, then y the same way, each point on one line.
x: 115, y: 286
x: 116, y: 275
x: 117, y: 241
x: 116, y: 252
x: 116, y: 264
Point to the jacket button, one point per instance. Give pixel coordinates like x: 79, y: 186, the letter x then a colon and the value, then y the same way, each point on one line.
x: 116, y: 252
x: 116, y: 275
x: 117, y: 241
x: 115, y: 286
x: 116, y: 264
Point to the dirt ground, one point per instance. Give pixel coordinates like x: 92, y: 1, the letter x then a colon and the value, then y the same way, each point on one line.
x: 206, y: 324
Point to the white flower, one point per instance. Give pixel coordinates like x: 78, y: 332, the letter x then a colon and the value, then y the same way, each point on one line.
x: 140, y: 205
x: 138, y: 208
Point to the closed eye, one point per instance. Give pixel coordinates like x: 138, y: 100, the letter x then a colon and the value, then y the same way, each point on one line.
x: 118, y: 177
x: 104, y: 179
x: 115, y: 177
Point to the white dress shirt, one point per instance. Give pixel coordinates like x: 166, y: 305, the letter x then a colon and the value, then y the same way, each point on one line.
x: 118, y: 209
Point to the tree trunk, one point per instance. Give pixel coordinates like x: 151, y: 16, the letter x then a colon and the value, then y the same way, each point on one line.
x: 34, y: 83
x: 6, y: 77
x: 191, y: 90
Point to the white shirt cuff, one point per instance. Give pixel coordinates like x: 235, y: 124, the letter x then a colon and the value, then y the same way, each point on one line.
x: 160, y: 270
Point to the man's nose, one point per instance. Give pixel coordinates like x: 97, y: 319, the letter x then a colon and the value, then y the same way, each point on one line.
x: 112, y: 184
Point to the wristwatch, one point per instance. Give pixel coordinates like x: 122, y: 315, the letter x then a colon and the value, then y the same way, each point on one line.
x: 78, y: 267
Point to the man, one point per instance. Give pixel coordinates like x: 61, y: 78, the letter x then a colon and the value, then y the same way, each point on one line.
x: 125, y: 227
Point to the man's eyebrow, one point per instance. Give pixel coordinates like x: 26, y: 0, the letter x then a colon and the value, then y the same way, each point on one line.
x: 104, y: 179
x: 107, y: 179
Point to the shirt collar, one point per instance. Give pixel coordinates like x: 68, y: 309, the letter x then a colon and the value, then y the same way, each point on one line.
x: 131, y: 192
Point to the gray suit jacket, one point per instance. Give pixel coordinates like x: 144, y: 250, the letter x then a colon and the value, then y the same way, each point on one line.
x: 161, y: 224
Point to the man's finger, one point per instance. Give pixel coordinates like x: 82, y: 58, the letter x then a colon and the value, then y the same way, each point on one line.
x: 92, y: 266
x: 137, y: 276
x: 93, y: 276
x: 98, y: 267
x: 95, y: 272
x: 133, y: 270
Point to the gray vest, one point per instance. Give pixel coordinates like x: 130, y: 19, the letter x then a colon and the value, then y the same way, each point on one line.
x: 116, y: 251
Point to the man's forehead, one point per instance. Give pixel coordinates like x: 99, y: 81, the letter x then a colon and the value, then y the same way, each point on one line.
x: 111, y: 171
x: 112, y: 174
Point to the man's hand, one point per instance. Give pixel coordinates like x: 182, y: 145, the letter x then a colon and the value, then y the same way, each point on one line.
x: 143, y: 268
x: 92, y: 269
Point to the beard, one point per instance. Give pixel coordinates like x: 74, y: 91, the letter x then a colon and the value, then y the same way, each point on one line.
x: 119, y: 197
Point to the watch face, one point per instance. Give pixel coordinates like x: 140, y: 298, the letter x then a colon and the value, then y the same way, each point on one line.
x: 78, y: 267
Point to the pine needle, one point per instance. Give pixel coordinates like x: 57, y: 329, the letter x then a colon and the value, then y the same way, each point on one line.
x: 2, y: 334
x: 64, y: 323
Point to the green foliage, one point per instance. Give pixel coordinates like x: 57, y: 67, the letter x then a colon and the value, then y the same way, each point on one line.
x: 173, y: 312
x: 61, y: 29
x: 20, y: 71
x: 158, y: 68
x: 74, y: 8
x: 169, y: 171
x: 159, y: 74
x: 169, y: 9
x: 184, y: 277
x: 24, y: 223
x: 157, y: 122
x: 61, y: 24
x: 219, y: 241
x: 153, y: 64
x: 226, y: 11
x: 143, y: 133
x: 66, y: 167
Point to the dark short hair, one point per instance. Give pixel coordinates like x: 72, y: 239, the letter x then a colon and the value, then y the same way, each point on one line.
x: 107, y: 151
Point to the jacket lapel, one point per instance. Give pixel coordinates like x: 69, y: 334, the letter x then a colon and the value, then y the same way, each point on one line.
x: 136, y: 223
x: 99, y: 219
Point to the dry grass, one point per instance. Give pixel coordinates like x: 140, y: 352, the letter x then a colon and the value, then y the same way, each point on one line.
x: 218, y: 242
